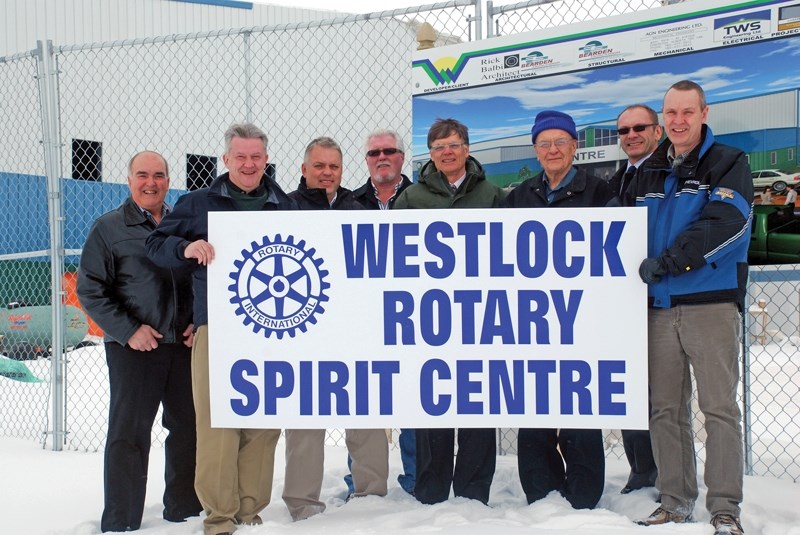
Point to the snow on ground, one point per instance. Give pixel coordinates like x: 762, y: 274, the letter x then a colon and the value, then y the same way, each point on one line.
x: 46, y: 492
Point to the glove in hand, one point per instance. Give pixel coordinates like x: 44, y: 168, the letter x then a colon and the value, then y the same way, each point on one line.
x: 651, y: 270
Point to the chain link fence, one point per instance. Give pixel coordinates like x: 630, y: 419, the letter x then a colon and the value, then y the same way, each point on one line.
x: 74, y: 115
x: 539, y: 14
x: 771, y: 372
x: 103, y: 102
x: 24, y: 261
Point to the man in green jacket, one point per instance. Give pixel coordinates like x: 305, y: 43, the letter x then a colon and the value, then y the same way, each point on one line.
x: 452, y: 179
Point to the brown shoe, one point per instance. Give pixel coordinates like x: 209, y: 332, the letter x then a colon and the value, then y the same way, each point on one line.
x: 662, y: 516
x: 726, y: 524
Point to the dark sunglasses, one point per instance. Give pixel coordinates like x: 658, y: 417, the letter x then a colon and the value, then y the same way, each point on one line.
x: 638, y: 128
x: 387, y: 152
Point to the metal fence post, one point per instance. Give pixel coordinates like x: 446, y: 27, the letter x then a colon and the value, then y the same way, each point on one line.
x: 746, y: 416
x: 248, y: 78
x: 489, y: 19
x: 478, y: 19
x: 51, y: 147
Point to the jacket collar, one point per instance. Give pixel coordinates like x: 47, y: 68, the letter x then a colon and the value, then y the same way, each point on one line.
x: 659, y: 158
x: 436, y: 181
x: 576, y: 185
x: 220, y: 187
x: 132, y: 214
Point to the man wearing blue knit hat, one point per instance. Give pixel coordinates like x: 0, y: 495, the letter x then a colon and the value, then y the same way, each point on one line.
x: 570, y: 461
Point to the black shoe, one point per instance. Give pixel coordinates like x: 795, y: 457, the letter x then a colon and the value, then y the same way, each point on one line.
x: 638, y: 481
x: 180, y: 516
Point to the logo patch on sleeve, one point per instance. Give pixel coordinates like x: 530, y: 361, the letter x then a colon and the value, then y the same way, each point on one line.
x: 724, y: 193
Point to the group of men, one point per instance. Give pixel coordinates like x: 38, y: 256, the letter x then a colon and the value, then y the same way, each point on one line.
x: 144, y: 265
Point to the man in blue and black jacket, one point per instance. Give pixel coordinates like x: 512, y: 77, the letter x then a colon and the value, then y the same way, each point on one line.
x: 698, y: 194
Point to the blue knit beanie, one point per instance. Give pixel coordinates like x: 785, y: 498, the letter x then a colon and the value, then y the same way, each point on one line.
x: 547, y: 119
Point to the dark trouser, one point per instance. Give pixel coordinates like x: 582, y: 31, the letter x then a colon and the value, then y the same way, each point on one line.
x: 541, y: 467
x: 639, y: 452
x: 139, y: 381
x: 474, y: 464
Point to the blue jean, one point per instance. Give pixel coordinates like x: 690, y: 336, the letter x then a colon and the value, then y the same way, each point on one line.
x: 408, y: 455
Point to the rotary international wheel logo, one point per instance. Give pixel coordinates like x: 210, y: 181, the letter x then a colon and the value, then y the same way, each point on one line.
x: 279, y: 286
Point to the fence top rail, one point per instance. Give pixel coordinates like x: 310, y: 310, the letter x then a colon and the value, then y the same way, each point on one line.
x: 268, y: 28
x: 499, y: 10
x: 19, y: 55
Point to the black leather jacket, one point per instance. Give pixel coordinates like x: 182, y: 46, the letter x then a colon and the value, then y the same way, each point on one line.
x: 121, y: 289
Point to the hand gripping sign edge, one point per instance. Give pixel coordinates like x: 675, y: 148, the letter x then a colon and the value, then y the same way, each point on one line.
x: 278, y: 286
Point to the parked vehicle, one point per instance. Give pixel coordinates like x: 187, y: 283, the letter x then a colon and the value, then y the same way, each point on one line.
x: 775, y: 237
x: 778, y: 180
x: 26, y: 331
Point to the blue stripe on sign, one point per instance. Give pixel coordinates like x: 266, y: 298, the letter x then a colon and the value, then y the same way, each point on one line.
x: 220, y: 3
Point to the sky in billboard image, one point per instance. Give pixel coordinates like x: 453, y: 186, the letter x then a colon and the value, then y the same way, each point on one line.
x: 598, y: 95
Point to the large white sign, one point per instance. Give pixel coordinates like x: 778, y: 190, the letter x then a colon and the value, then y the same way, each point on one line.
x: 428, y: 318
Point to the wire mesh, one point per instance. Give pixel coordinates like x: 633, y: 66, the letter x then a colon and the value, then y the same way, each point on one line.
x: 341, y: 78
x: 540, y: 14
x: 24, y: 264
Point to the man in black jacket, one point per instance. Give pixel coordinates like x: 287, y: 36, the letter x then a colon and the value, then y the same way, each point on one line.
x: 385, y: 154
x: 321, y: 182
x: 639, y: 134
x: 234, y: 466
x: 570, y: 461
x: 320, y: 189
x: 145, y: 312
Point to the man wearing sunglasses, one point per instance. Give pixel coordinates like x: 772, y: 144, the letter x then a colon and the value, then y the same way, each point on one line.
x: 639, y: 134
x: 385, y: 155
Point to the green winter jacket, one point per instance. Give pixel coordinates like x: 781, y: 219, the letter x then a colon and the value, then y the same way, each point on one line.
x: 433, y: 191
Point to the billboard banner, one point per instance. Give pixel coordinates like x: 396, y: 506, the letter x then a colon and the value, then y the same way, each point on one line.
x: 675, y: 30
x: 743, y: 54
x: 428, y: 318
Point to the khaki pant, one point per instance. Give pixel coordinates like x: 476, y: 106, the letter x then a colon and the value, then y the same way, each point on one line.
x: 705, y: 337
x: 305, y: 455
x: 233, y: 478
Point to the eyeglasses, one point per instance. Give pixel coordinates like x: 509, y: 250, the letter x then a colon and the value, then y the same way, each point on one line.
x: 638, y: 128
x: 451, y: 146
x: 388, y: 152
x: 560, y: 143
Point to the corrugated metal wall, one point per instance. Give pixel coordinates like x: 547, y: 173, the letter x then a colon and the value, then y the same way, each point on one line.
x: 68, y: 22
